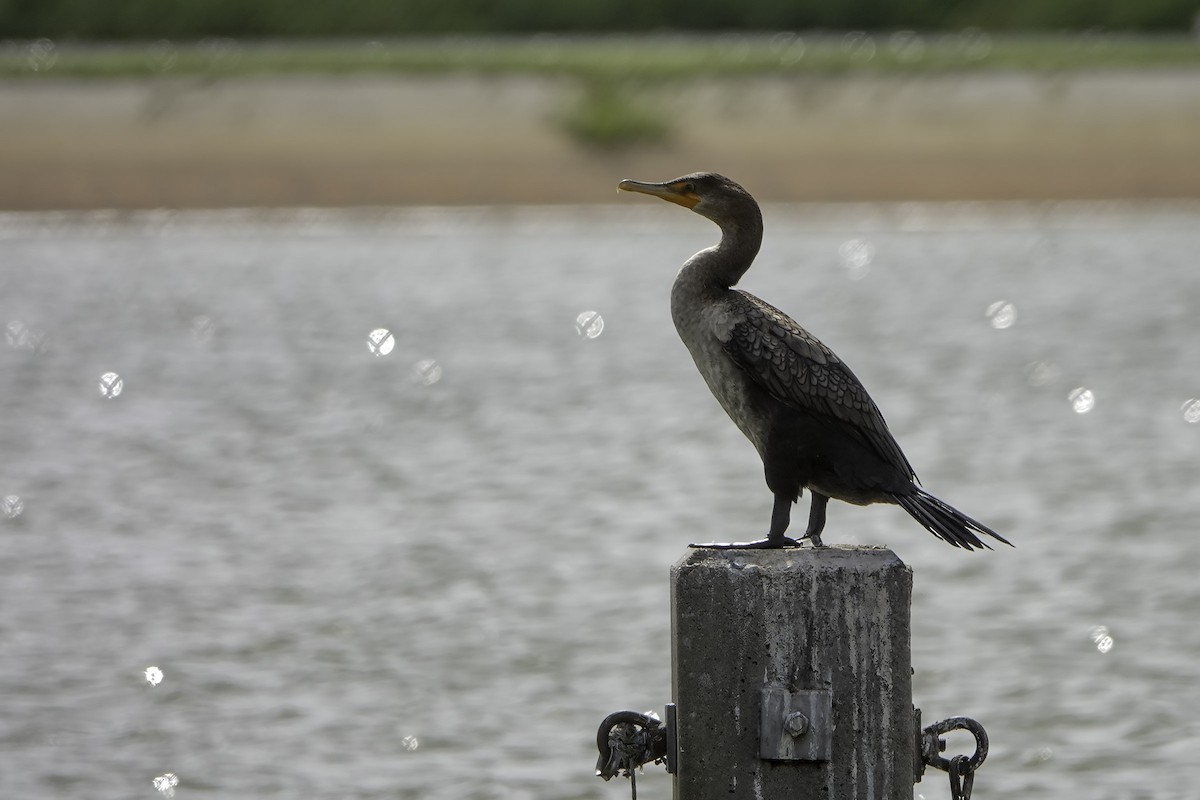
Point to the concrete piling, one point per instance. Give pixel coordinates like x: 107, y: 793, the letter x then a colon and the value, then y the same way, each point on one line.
x: 792, y: 674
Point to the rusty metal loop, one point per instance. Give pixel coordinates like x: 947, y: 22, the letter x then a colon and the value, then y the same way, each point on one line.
x: 933, y: 744
x: 652, y: 743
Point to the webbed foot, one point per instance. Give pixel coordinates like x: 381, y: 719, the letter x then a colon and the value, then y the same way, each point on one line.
x: 757, y: 544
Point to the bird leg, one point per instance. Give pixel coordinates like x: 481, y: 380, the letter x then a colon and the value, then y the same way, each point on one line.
x: 781, y: 516
x: 816, y: 518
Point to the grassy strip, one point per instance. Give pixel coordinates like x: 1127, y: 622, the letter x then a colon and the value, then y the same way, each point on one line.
x: 614, y: 73
x: 607, y: 59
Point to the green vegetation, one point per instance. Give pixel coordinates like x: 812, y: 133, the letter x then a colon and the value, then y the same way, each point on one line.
x: 608, y: 59
x: 615, y: 74
x: 195, y: 19
x: 608, y: 116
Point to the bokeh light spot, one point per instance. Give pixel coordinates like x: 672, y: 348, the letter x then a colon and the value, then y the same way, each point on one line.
x: 589, y: 324
x: 161, y: 56
x: 789, y: 47
x: 427, y: 372
x: 856, y: 255
x: 12, y: 506
x: 1191, y: 410
x: 21, y: 337
x: 16, y: 334
x: 859, y: 46
x: 1082, y: 400
x: 976, y: 44
x: 41, y: 55
x: 380, y: 341
x: 111, y: 385
x: 1002, y: 314
x: 907, y: 46
x: 166, y: 784
x: 1102, y: 638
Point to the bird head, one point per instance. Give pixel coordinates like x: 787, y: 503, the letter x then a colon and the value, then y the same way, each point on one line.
x: 707, y: 193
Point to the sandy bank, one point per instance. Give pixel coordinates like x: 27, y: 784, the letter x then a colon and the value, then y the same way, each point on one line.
x: 374, y: 140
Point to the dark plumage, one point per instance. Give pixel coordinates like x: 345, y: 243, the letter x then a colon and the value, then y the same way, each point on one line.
x: 811, y: 420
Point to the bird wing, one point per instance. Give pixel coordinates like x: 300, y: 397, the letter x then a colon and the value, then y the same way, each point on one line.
x: 797, y: 369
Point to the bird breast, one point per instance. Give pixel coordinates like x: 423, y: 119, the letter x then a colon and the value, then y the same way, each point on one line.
x: 705, y: 324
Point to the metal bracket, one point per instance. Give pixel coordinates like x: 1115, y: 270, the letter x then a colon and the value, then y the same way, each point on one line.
x: 918, y: 747
x: 796, y: 726
x: 929, y: 745
x: 627, y: 740
x: 932, y: 744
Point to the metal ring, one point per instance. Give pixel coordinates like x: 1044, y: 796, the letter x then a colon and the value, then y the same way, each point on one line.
x: 613, y: 720
x: 644, y: 721
x: 939, y: 729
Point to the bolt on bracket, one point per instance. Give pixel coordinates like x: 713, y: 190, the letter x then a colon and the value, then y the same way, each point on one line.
x: 796, y: 726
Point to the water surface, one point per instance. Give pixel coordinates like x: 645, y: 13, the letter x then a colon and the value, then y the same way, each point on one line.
x: 362, y: 582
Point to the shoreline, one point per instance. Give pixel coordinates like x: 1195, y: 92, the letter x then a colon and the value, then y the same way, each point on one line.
x: 374, y: 140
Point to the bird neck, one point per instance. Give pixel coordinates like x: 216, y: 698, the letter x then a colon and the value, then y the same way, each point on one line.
x: 723, y: 265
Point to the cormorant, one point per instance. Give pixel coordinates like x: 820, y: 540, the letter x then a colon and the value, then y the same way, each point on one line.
x: 811, y: 420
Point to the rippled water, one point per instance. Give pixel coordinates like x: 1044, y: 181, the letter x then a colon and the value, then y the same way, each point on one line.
x: 430, y: 573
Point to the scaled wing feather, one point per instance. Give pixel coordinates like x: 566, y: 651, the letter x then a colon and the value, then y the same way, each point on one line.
x: 797, y: 369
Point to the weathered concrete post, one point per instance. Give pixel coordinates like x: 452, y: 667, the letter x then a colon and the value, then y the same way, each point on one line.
x: 792, y: 674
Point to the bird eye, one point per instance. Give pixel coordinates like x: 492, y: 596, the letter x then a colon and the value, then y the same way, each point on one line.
x: 689, y: 187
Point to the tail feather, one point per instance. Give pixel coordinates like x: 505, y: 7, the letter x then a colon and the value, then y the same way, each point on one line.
x: 945, y: 521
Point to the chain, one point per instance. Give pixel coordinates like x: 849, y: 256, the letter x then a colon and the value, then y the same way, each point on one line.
x: 960, y: 785
x: 961, y: 767
x: 627, y: 740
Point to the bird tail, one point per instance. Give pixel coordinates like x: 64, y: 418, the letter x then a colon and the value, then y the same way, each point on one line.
x: 945, y: 521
